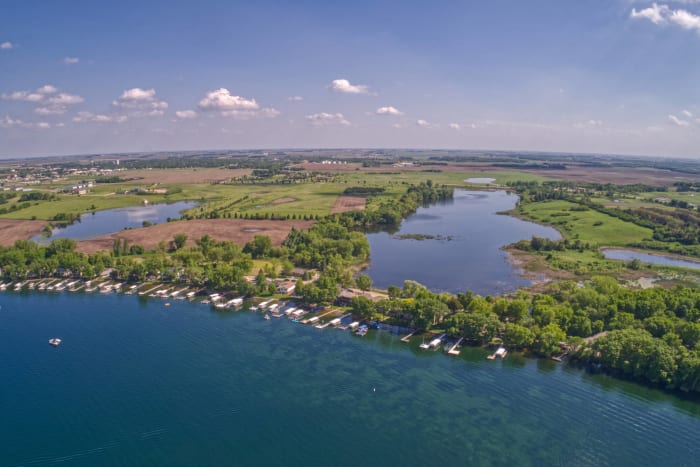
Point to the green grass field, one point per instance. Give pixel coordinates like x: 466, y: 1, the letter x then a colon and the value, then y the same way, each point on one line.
x: 587, y: 226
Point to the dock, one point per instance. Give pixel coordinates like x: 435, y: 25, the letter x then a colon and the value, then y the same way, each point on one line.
x: 407, y: 338
x: 500, y: 353
x: 454, y: 349
x: 146, y: 292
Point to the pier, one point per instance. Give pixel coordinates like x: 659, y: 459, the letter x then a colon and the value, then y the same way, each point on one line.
x: 407, y: 338
x: 454, y: 350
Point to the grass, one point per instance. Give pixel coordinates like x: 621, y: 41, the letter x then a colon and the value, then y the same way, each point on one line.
x: 587, y: 226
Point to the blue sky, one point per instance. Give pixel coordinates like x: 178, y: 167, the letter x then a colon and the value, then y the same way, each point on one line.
x: 601, y: 76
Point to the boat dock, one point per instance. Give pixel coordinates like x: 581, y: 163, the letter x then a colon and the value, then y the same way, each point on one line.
x: 454, y: 350
x: 407, y: 338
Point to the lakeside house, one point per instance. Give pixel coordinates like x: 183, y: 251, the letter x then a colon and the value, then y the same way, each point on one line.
x: 346, y: 295
x: 286, y: 287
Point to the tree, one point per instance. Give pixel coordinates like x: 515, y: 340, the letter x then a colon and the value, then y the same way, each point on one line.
x: 364, y: 282
x: 363, y: 306
x: 518, y: 336
x: 548, y: 339
x: 179, y: 240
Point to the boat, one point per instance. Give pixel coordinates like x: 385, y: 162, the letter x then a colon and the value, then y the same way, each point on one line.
x: 267, y: 317
x: 362, y: 330
x: 55, y: 341
x: 501, y: 352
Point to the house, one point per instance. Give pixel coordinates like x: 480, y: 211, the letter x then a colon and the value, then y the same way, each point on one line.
x: 286, y: 287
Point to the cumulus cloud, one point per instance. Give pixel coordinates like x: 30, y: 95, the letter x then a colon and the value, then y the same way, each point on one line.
x: 687, y: 113
x: 7, y: 45
x: 455, y: 126
x: 678, y: 121
x: 327, y: 119
x: 71, y: 60
x: 423, y: 123
x: 228, y: 105
x: 344, y: 86
x: 50, y: 101
x: 388, y: 111
x: 663, y: 14
x: 184, y: 114
x: 84, y: 117
x: 141, y: 102
x: 295, y: 98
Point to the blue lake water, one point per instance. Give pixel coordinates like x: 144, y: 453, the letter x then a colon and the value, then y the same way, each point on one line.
x: 466, y: 252
x: 138, y: 383
x: 113, y: 220
x: 629, y: 255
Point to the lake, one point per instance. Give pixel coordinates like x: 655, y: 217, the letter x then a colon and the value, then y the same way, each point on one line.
x: 138, y: 383
x: 629, y: 255
x: 105, y: 222
x: 465, y: 253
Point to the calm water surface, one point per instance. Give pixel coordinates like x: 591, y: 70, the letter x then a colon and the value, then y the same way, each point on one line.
x: 136, y: 383
x: 628, y: 255
x: 466, y: 252
x: 113, y: 220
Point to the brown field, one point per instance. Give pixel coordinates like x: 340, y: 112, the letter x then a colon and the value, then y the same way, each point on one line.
x: 616, y: 175
x: 232, y: 230
x: 348, y: 203
x: 184, y: 175
x: 12, y: 230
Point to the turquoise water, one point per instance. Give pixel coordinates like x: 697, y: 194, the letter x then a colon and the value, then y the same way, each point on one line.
x: 628, y: 255
x: 105, y: 222
x: 466, y: 253
x: 138, y: 383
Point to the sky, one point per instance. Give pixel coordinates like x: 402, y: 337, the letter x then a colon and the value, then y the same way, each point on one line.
x: 585, y: 76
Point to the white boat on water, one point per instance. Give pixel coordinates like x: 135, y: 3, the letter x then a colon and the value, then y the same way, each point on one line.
x: 55, y: 341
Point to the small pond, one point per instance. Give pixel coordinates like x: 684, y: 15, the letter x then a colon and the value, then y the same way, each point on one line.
x: 663, y: 260
x: 106, y: 222
x: 455, y: 246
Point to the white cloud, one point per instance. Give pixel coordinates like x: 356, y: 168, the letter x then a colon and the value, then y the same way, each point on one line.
x: 662, y: 14
x: 295, y: 98
x: 84, y: 117
x: 687, y: 113
x: 186, y: 114
x: 677, y: 121
x: 71, y: 60
x: 327, y: 119
x: 51, y: 110
x: 229, y: 105
x: 344, y: 86
x: 589, y: 124
x: 49, y: 102
x: 388, y: 111
x: 686, y: 19
x: 423, y: 123
x: 655, y: 13
x: 47, y: 89
x: 142, y: 102
x: 26, y: 96
x: 222, y: 100
x: 7, y: 45
x: 455, y: 126
x: 9, y: 122
x: 65, y: 99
